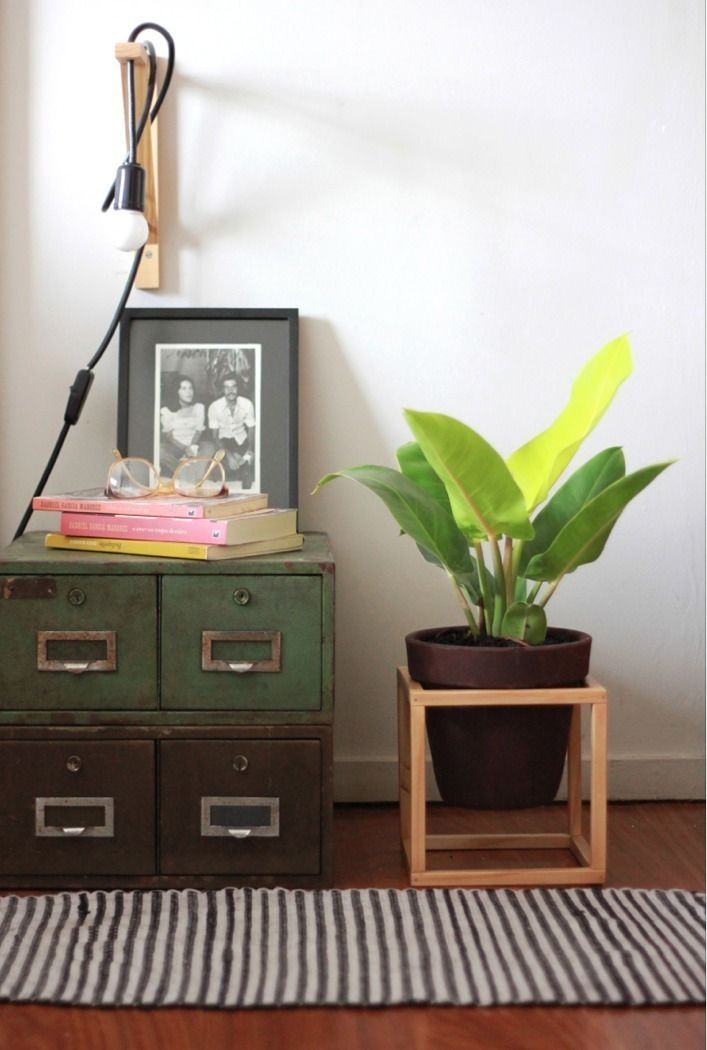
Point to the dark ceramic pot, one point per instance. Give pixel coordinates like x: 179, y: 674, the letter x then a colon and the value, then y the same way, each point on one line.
x: 498, y: 757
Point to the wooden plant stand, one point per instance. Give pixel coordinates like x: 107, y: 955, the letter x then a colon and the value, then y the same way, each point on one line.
x: 413, y: 701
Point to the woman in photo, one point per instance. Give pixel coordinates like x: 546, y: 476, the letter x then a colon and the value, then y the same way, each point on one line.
x: 182, y: 423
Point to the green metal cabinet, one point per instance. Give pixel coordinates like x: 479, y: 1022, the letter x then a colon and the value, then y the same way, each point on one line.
x: 249, y: 643
x: 78, y: 642
x: 163, y: 721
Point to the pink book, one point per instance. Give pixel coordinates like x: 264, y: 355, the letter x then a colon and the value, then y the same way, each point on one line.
x: 244, y: 528
x: 95, y: 501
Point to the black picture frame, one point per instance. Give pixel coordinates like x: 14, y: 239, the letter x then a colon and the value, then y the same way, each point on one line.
x: 159, y: 348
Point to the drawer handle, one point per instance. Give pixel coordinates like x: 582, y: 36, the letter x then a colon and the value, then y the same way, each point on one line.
x: 108, y: 638
x: 76, y: 668
x: 240, y: 816
x: 271, y: 666
x: 95, y: 831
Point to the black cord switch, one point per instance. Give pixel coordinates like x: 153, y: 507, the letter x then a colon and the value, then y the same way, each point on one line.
x: 78, y: 393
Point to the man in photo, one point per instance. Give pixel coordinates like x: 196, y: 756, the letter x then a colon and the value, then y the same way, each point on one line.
x: 232, y: 424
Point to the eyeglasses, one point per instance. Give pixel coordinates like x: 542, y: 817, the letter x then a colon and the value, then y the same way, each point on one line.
x: 131, y: 477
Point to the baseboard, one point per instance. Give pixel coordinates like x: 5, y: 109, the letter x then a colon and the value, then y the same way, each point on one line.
x: 630, y: 777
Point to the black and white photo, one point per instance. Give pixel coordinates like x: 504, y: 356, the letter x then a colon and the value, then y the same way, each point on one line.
x: 208, y: 398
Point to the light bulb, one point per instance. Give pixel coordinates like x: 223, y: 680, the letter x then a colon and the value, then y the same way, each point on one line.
x: 128, y: 225
x: 127, y: 228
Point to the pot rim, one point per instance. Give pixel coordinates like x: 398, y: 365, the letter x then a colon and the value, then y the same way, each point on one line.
x: 572, y: 637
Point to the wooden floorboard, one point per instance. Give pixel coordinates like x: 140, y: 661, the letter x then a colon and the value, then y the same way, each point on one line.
x: 652, y: 845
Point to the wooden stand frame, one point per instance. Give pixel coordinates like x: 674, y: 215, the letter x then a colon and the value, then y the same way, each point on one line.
x: 413, y: 701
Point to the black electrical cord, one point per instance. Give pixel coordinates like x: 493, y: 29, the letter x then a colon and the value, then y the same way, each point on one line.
x: 132, y: 138
x: 84, y: 377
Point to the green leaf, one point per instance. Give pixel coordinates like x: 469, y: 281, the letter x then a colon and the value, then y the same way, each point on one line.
x: 414, y: 466
x: 416, y: 512
x: 525, y: 622
x: 586, y: 483
x: 485, y: 499
x: 537, y: 465
x: 583, y: 537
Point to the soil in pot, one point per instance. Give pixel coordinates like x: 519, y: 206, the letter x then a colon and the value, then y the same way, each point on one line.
x: 498, y: 757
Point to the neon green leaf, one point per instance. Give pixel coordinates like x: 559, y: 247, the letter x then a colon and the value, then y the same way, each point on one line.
x: 538, y: 464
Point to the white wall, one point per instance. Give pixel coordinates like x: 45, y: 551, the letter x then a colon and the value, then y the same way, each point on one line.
x: 464, y: 199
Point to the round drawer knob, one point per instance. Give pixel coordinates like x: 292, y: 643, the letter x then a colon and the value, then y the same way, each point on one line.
x: 74, y: 763
x: 240, y: 763
x: 76, y: 596
x: 241, y: 596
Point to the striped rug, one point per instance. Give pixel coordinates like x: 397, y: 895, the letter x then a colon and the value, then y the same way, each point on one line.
x: 245, y: 947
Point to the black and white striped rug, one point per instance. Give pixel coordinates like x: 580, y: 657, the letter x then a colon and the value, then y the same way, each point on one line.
x: 245, y: 947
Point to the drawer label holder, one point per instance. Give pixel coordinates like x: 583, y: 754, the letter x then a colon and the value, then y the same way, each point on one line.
x: 105, y: 830
x: 240, y: 817
x: 75, y: 666
x: 271, y: 666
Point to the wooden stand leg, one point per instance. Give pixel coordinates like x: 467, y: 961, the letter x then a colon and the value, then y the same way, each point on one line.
x: 574, y: 773
x: 417, y: 791
x: 404, y: 766
x: 598, y: 795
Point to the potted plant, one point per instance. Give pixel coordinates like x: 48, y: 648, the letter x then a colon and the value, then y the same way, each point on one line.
x: 506, y: 541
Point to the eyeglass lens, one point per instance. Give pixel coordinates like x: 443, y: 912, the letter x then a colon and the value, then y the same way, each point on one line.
x: 132, y: 477
x: 199, y: 477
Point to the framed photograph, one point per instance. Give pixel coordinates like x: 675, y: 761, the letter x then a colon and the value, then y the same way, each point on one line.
x: 192, y: 381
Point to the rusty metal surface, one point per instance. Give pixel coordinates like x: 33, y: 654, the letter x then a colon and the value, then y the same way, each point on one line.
x: 122, y: 770
x: 28, y: 587
x: 289, y: 770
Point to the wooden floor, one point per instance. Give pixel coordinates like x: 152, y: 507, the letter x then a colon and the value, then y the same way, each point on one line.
x: 655, y: 845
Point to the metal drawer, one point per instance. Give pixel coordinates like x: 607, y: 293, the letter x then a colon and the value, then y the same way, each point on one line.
x: 245, y: 643
x: 77, y: 807
x: 78, y: 642
x: 240, y: 807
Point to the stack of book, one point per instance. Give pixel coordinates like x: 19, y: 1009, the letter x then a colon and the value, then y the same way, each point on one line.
x: 236, y: 526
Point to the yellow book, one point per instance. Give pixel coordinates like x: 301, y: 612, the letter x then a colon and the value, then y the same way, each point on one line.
x: 170, y: 549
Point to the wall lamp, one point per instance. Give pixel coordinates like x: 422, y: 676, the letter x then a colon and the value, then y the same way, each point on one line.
x: 133, y: 215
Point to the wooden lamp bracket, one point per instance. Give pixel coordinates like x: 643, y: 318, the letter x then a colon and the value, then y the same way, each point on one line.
x: 148, y: 274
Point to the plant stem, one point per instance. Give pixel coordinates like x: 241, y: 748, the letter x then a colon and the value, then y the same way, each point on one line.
x: 517, y: 552
x: 500, y: 604
x: 468, y: 612
x: 508, y: 568
x: 483, y: 583
x: 549, y: 592
x: 532, y: 595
